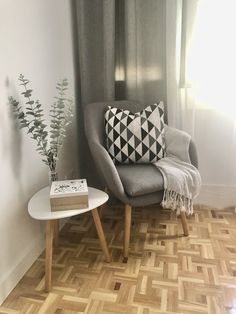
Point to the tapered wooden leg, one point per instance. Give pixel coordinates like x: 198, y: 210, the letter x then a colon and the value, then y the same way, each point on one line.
x: 128, y: 210
x: 101, y: 235
x: 48, y: 262
x: 56, y: 233
x: 184, y: 223
x: 102, y: 208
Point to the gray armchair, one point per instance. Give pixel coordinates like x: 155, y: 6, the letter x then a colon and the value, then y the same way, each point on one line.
x: 132, y: 184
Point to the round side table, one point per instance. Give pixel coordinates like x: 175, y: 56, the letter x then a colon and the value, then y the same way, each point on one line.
x: 39, y: 208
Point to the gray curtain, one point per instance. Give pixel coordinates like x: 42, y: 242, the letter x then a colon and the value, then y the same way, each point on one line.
x: 142, y: 47
x: 119, y: 54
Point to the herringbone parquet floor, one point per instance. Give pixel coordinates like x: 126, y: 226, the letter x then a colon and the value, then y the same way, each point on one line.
x: 165, y: 272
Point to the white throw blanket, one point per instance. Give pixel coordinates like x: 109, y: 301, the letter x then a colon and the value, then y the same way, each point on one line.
x: 182, y: 181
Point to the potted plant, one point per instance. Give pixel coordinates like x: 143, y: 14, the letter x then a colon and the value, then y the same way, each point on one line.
x: 49, y: 139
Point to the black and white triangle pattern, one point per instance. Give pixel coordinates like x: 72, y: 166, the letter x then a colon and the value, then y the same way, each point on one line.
x: 135, y: 138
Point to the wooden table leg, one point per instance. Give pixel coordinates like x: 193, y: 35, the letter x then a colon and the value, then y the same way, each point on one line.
x: 48, y: 262
x: 101, y: 235
x: 56, y: 233
x: 102, y: 207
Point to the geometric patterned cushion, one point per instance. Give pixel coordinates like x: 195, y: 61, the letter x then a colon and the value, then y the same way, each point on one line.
x: 135, y: 137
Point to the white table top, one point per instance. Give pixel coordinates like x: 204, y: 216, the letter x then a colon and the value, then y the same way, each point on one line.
x: 39, y: 205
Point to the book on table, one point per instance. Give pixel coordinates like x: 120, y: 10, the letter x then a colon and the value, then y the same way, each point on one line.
x: 69, y: 194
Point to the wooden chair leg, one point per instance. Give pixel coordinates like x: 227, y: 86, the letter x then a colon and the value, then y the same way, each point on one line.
x: 184, y: 223
x: 128, y: 211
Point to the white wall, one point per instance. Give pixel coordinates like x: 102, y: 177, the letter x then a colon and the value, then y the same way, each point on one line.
x: 214, y: 137
x: 36, y: 40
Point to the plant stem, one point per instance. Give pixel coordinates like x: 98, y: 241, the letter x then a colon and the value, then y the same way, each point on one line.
x: 39, y: 141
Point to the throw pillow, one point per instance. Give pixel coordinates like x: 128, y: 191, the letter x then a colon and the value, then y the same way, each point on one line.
x: 135, y: 137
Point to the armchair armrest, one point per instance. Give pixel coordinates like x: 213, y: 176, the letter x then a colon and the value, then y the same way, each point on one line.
x: 177, y: 142
x: 193, y: 153
x: 108, y: 170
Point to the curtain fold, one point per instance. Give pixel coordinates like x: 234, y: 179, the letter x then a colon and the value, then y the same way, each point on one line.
x: 173, y: 31
x: 180, y: 21
x: 96, y: 46
x: 145, y: 73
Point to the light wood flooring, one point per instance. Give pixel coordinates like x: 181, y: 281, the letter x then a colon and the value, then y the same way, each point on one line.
x: 165, y: 272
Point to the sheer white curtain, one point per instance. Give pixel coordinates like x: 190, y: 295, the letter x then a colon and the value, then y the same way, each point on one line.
x: 201, y: 66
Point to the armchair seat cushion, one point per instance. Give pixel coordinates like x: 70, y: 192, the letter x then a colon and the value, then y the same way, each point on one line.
x: 140, y: 179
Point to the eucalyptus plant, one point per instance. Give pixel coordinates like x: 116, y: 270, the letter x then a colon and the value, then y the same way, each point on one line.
x: 50, y: 138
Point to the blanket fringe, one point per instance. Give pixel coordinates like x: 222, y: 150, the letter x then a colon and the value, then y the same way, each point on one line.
x: 177, y: 202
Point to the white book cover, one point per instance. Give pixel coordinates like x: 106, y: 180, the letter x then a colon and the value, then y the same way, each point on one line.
x: 67, y: 188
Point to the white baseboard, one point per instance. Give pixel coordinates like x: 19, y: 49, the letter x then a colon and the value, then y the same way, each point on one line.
x: 217, y: 196
x: 11, y: 279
